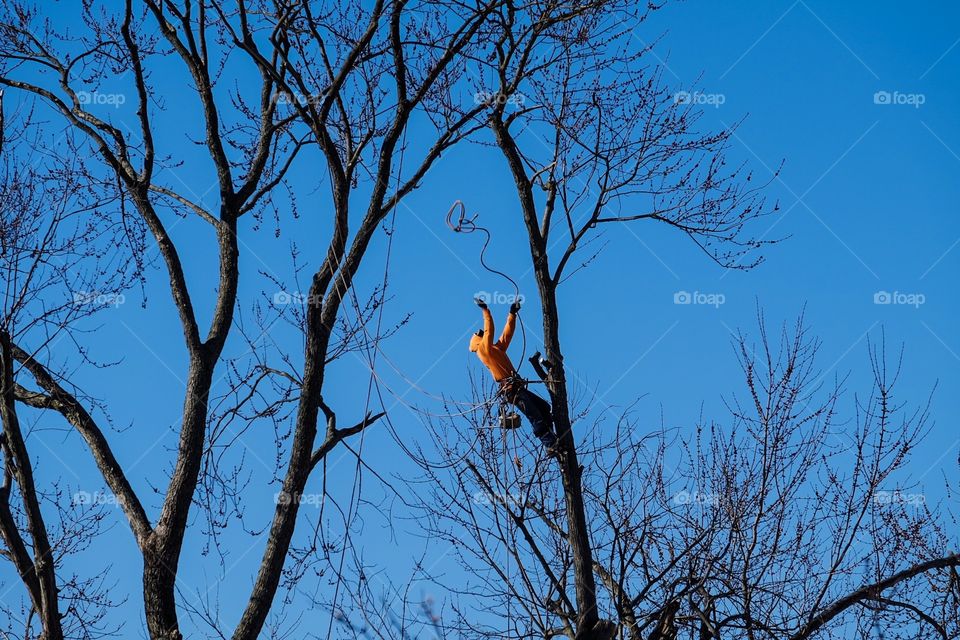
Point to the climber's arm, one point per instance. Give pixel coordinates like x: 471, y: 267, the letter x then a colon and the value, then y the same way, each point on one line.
x: 510, y: 326
x: 508, y: 330
x: 487, y: 338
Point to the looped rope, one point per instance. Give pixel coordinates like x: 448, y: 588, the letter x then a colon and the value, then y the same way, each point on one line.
x: 462, y: 219
x: 469, y: 225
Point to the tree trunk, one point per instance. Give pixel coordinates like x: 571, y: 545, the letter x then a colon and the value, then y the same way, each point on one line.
x: 162, y: 551
x: 577, y: 530
x: 41, y: 572
x: 159, y: 595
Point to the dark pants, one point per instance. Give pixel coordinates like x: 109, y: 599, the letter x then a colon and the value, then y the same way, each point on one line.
x: 537, y: 411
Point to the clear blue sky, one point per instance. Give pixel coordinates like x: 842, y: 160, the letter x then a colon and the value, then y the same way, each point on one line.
x: 869, y: 197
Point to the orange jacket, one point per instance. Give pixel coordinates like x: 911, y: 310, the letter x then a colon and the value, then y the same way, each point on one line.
x: 494, y: 354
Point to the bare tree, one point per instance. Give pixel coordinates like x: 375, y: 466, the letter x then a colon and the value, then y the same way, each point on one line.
x: 346, y: 82
x: 342, y: 82
x: 786, y: 520
x: 606, y: 143
x: 614, y: 147
x: 281, y: 85
x: 54, y: 233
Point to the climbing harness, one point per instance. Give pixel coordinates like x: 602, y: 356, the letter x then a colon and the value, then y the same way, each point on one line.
x: 509, y: 388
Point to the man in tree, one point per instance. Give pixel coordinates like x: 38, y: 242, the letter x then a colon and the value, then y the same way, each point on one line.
x: 513, y: 388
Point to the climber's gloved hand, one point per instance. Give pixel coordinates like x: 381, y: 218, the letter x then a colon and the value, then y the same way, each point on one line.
x: 515, y: 307
x: 480, y: 303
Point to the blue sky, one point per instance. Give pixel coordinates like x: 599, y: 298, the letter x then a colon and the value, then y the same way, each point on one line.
x: 868, y: 196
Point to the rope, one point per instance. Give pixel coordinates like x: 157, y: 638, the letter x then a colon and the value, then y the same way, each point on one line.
x: 469, y: 225
x: 358, y: 475
x: 507, y: 498
x: 463, y: 225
